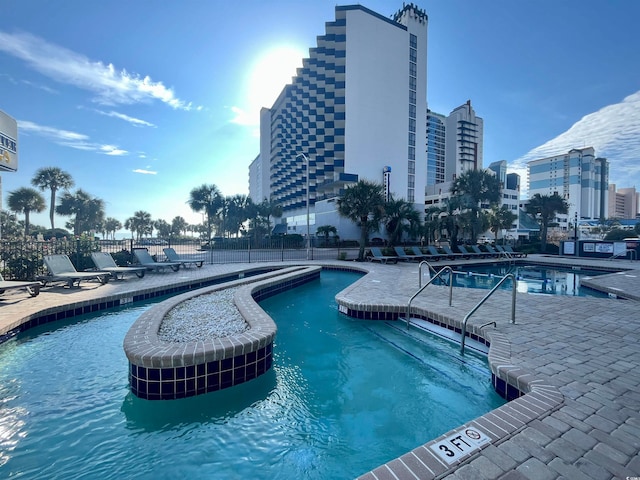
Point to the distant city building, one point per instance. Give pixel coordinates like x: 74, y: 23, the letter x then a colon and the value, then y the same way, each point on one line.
x: 509, y: 187
x: 578, y: 177
x: 436, y: 145
x: 464, y: 141
x: 357, y: 105
x: 623, y: 203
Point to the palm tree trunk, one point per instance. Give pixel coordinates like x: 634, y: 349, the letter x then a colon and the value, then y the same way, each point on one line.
x: 52, y: 207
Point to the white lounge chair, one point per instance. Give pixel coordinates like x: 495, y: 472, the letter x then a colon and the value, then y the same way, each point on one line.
x: 32, y: 288
x: 62, y: 270
x: 174, y: 257
x: 105, y: 263
x: 147, y: 261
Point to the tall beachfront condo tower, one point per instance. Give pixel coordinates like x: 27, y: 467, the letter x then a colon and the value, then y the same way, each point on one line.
x: 464, y: 141
x: 356, y: 110
x: 578, y: 177
x: 436, y: 142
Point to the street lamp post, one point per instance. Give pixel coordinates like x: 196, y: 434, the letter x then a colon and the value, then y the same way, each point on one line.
x: 306, y: 160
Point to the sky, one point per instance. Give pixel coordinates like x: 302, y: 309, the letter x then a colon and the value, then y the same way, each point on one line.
x: 141, y: 101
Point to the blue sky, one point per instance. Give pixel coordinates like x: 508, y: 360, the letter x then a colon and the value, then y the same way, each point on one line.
x: 141, y: 101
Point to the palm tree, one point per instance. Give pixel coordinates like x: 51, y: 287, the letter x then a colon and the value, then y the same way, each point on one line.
x: 178, y: 225
x: 206, y: 199
x: 140, y: 224
x: 26, y: 200
x: 476, y: 190
x: 326, y: 230
x: 432, y: 224
x: 237, y: 213
x: 87, y: 211
x: 363, y: 204
x: 54, y: 179
x: 500, y: 218
x: 451, y: 219
x: 544, y: 208
x: 111, y: 225
x: 163, y: 227
x: 400, y: 216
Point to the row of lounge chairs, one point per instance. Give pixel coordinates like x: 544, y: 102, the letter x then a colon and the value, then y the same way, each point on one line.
x: 433, y: 254
x: 60, y: 268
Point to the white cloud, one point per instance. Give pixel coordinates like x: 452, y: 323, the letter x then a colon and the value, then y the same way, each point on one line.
x: 614, y: 133
x: 132, y: 120
x: 145, y: 172
x: 67, y: 138
x: 111, y: 86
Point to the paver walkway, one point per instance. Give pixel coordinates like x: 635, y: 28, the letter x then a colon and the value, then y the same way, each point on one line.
x: 586, y: 348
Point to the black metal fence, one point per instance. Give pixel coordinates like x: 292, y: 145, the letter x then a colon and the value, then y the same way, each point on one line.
x: 23, y: 260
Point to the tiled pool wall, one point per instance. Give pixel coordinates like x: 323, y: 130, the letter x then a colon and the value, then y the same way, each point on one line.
x: 166, y: 371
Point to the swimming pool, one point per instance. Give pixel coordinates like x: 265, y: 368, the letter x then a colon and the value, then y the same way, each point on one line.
x: 534, y: 279
x: 339, y: 388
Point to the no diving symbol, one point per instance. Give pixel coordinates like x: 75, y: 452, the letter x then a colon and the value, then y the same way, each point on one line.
x: 472, y: 434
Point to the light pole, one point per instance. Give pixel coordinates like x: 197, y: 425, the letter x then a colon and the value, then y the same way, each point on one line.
x: 306, y: 160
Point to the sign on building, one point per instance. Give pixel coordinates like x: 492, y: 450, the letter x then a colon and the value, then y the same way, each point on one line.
x: 8, y: 143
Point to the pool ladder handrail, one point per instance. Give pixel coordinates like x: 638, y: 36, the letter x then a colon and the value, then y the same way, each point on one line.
x: 634, y: 255
x: 422, y: 263
x: 437, y: 275
x: 486, y: 297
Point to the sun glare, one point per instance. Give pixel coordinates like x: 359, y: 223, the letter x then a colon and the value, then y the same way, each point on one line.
x: 271, y: 72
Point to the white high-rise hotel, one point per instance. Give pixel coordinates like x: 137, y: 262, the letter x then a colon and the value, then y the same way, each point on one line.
x: 357, y: 106
x: 578, y: 177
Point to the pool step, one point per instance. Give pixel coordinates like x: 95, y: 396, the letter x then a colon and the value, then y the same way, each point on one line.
x: 450, y: 335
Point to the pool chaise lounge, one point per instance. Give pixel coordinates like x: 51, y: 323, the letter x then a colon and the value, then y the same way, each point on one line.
x: 404, y: 256
x: 377, y: 256
x: 104, y: 262
x: 32, y: 288
x: 469, y: 254
x: 172, y: 256
x: 145, y: 260
x: 62, y: 270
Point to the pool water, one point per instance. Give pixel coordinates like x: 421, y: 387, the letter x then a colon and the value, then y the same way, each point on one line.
x: 344, y: 396
x: 530, y: 279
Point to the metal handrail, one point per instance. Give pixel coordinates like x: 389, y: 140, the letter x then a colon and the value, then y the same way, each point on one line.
x: 423, y: 262
x: 627, y: 252
x: 438, y: 274
x: 473, y: 310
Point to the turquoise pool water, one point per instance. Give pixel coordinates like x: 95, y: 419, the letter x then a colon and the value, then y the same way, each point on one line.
x: 533, y: 279
x: 343, y: 397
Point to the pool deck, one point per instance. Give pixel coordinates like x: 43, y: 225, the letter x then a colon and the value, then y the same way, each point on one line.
x: 586, y: 349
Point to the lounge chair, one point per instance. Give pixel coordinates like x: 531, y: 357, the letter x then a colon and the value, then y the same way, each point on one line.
x: 419, y: 253
x: 513, y: 252
x: 32, y: 288
x: 105, y: 263
x: 452, y: 255
x: 492, y: 251
x: 62, y: 270
x: 469, y: 254
x: 172, y: 256
x: 435, y: 255
x: 480, y: 253
x: 402, y: 255
x: 377, y: 256
x: 145, y: 260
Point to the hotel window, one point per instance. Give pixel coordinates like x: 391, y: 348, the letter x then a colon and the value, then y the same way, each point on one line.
x: 413, y: 41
